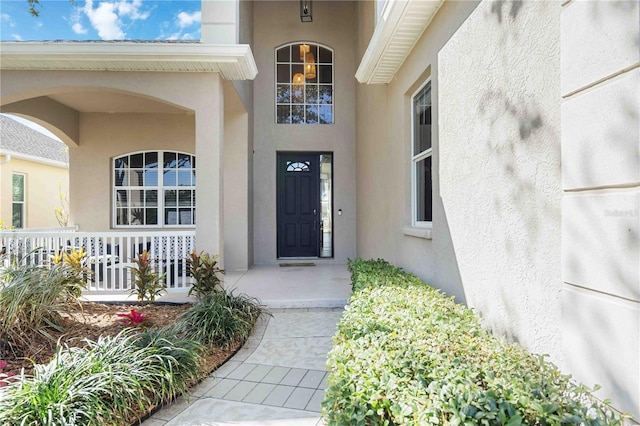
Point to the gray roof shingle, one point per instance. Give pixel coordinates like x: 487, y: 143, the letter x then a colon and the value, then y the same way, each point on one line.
x: 18, y: 138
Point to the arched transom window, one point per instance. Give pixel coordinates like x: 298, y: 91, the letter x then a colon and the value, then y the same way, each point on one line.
x: 304, y: 84
x: 155, y: 189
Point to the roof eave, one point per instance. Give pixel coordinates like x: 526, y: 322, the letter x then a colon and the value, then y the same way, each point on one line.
x: 401, y: 24
x: 234, y: 62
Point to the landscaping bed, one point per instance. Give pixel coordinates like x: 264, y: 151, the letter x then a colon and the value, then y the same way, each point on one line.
x: 406, y: 354
x: 64, y: 362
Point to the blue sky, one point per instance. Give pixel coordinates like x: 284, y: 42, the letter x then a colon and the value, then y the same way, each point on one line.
x: 101, y: 20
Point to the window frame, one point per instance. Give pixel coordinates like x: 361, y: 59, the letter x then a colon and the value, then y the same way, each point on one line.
x: 318, y: 84
x: 416, y: 158
x: 23, y: 203
x: 160, y: 187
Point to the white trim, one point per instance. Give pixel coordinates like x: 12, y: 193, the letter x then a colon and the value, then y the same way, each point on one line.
x: 418, y: 232
x: 234, y: 62
x: 34, y: 159
x: 415, y: 158
x: 397, y: 31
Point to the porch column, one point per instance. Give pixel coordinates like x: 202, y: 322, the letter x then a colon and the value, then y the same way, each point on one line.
x: 209, y: 185
x: 601, y: 198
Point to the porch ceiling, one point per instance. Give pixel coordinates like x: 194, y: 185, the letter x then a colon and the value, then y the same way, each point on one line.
x: 233, y: 62
x: 401, y: 24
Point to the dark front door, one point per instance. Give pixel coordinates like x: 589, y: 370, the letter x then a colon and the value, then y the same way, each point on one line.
x: 298, y: 204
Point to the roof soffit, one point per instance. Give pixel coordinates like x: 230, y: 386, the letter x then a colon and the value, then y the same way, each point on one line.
x: 233, y: 62
x: 401, y: 24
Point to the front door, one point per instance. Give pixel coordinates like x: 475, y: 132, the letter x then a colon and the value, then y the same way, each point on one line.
x: 298, y: 183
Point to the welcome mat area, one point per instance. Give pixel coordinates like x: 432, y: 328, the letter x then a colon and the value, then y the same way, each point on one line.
x: 292, y: 265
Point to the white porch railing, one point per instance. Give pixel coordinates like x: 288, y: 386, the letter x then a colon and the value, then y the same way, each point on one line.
x: 109, y: 254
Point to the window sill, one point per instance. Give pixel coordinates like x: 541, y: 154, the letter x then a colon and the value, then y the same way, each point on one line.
x: 418, y: 232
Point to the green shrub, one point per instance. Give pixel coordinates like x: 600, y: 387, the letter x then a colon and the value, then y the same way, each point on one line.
x: 405, y: 354
x: 31, y: 299
x: 105, y: 383
x: 204, y: 270
x: 219, y: 318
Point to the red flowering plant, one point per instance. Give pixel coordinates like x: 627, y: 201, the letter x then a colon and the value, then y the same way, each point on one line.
x: 133, y: 318
x: 5, y: 376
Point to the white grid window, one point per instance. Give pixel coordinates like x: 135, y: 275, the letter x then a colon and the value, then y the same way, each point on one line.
x: 421, y: 157
x: 304, y: 84
x: 18, y: 200
x: 155, y: 189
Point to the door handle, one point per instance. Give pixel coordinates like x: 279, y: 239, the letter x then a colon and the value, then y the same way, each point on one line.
x: 315, y: 222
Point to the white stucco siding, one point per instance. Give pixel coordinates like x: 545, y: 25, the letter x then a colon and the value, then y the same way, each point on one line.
x: 498, y: 84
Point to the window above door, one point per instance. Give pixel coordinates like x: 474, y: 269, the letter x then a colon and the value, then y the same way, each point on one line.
x: 304, y: 84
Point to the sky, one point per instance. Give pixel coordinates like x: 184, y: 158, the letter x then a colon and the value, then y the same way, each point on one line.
x: 101, y: 20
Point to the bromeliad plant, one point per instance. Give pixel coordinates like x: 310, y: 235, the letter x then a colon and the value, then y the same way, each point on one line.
x: 148, y: 284
x: 204, y: 270
x: 133, y: 318
x: 72, y: 265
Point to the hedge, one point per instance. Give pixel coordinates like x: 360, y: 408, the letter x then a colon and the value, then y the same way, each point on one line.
x: 406, y: 354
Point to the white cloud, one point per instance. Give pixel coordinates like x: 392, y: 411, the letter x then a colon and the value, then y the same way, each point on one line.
x: 78, y: 28
x: 186, y: 19
x: 16, y: 37
x: 108, y: 17
x: 104, y: 20
x: 5, y: 16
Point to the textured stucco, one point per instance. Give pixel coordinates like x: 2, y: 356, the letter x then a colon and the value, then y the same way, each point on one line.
x: 494, y: 68
x: 278, y: 23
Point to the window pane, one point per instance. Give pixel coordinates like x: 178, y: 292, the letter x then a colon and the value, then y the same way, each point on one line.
x: 297, y: 52
x: 121, y: 198
x: 137, y: 216
x: 324, y: 74
x: 283, y: 54
x: 136, y: 177
x: 297, y: 94
x: 424, y: 191
x: 18, y: 188
x: 122, y: 162
x: 170, y: 177
x: 283, y: 74
x: 312, y: 94
x: 17, y: 218
x: 297, y: 114
x: 184, y: 198
x: 136, y: 198
x: 151, y: 216
x: 184, y: 177
x: 170, y: 198
x: 185, y: 217
x: 137, y: 161
x: 312, y: 114
x: 326, y: 94
x: 283, y: 114
x: 120, y: 178
x: 170, y: 217
x: 326, y: 114
x: 325, y: 56
x: 422, y: 120
x: 121, y: 217
x: 184, y: 161
x: 151, y: 177
x: 151, y: 160
x: 283, y: 95
x: 151, y: 198
x: 170, y: 159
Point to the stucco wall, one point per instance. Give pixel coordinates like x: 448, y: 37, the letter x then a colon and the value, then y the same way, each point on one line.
x: 41, y: 191
x: 105, y: 136
x: 494, y: 70
x: 333, y: 25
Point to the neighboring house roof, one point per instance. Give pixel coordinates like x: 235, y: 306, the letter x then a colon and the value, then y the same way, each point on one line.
x: 23, y: 142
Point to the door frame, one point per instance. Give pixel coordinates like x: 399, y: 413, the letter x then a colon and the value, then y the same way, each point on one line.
x: 320, y: 237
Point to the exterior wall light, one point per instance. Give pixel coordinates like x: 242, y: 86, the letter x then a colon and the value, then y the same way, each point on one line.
x: 305, y: 11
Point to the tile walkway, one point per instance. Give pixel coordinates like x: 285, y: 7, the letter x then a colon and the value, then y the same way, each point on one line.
x: 277, y: 378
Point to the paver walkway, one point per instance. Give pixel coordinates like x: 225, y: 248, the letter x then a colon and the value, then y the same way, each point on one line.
x: 277, y: 378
